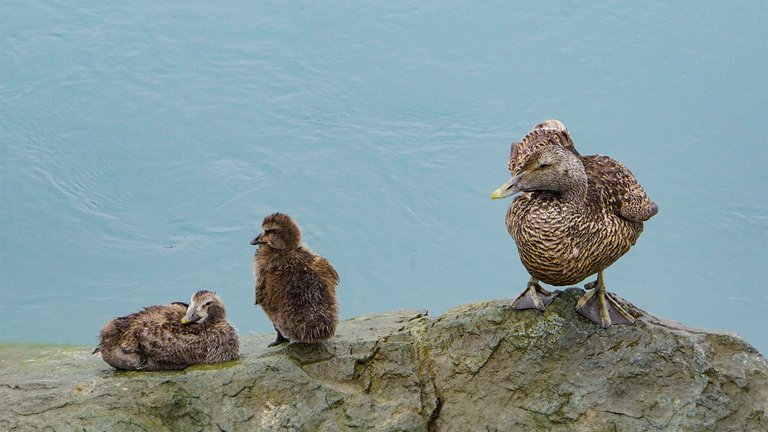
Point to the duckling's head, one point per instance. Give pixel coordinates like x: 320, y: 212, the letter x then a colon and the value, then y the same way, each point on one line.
x: 279, y: 231
x: 553, y: 168
x: 205, y: 306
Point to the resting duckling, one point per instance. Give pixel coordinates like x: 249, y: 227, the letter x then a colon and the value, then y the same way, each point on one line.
x: 295, y: 287
x: 575, y: 217
x: 170, y: 337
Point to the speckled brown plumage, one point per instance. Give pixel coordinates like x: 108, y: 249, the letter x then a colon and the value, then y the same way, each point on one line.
x: 170, y: 337
x: 551, y: 132
x: 295, y: 287
x: 576, y: 215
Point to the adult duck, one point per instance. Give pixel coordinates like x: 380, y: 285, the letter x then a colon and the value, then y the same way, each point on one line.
x: 575, y: 216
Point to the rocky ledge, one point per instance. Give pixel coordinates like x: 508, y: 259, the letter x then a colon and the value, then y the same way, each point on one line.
x: 479, y: 367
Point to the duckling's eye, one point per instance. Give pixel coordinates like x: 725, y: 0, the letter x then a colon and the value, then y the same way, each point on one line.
x: 208, y: 303
x: 543, y: 165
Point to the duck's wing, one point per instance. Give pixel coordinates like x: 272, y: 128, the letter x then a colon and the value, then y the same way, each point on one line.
x: 550, y: 132
x: 618, y: 188
x: 167, y: 344
x: 325, y: 270
x: 158, y: 323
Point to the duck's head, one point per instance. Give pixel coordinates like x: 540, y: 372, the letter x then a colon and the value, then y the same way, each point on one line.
x: 553, y: 124
x: 205, y: 306
x: 552, y: 168
x: 279, y: 231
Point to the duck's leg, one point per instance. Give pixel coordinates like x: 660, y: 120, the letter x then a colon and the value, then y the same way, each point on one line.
x: 534, y: 297
x: 280, y: 339
x: 600, y: 307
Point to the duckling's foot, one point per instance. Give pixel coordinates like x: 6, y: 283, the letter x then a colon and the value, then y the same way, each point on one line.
x: 534, y: 297
x: 280, y: 339
x: 142, y: 363
x: 601, y: 308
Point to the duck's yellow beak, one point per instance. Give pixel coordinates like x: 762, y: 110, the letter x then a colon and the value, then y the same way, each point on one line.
x: 497, y: 194
x: 190, y: 316
x: 506, y: 189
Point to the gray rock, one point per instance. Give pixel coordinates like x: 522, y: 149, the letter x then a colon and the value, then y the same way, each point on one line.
x: 479, y: 367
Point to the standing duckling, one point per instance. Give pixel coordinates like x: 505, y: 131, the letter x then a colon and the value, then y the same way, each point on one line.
x: 295, y: 286
x: 575, y: 216
x: 170, y: 337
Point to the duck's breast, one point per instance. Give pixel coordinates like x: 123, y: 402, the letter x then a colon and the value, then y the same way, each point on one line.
x: 560, y: 244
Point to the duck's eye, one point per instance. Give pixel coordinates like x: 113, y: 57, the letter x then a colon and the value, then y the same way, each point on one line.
x: 543, y: 165
x: 208, y: 303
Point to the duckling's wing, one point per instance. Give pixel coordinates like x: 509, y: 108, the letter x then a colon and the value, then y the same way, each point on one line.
x: 551, y: 132
x: 325, y: 270
x: 167, y: 344
x: 161, y: 333
x: 619, y: 189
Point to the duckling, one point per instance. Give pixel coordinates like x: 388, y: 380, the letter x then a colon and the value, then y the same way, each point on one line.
x: 575, y: 216
x: 295, y: 286
x: 170, y: 337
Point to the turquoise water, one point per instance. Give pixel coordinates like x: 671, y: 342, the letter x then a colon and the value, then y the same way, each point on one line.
x: 142, y: 144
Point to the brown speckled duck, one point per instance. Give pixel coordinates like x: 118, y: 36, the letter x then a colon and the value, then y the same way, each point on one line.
x: 295, y: 287
x: 575, y: 217
x: 170, y: 337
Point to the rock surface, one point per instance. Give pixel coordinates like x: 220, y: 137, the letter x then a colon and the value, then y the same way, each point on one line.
x: 479, y: 367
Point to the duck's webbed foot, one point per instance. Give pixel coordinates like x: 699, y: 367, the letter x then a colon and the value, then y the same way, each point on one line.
x: 534, y: 297
x: 279, y: 340
x: 600, y: 307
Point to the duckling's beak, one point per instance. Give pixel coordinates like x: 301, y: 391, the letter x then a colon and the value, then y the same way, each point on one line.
x: 507, y: 189
x: 190, y: 317
x: 257, y: 240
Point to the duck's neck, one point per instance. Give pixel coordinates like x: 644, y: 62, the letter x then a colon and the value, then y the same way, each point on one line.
x: 576, y: 194
x: 216, y: 313
x: 574, y: 187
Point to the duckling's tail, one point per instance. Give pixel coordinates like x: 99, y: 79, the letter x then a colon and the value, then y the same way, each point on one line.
x: 317, y: 328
